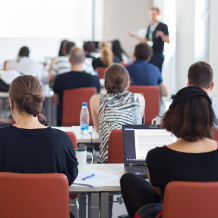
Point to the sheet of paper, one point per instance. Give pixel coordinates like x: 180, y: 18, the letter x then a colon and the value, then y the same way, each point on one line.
x: 9, y: 76
x: 97, y: 180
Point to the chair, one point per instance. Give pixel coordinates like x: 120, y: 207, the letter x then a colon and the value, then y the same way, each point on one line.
x: 190, y: 199
x: 72, y: 105
x: 72, y: 136
x: 34, y: 195
x: 7, y: 121
x: 101, y: 72
x: 152, y: 101
x: 124, y: 64
x: 115, y: 148
x: 215, y: 134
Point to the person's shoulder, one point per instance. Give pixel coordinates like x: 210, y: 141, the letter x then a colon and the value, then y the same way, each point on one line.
x: 58, y: 133
x: 155, y: 153
x: 153, y: 67
x: 162, y: 24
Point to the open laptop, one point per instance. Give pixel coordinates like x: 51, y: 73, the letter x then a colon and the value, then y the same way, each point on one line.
x: 137, y: 141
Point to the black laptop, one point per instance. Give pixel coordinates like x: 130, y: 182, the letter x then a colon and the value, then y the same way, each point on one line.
x: 137, y: 141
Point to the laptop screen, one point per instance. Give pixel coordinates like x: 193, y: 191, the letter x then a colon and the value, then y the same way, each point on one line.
x: 138, y: 140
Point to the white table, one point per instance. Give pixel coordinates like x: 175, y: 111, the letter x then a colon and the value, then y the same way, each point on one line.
x: 98, y: 200
x: 92, y: 138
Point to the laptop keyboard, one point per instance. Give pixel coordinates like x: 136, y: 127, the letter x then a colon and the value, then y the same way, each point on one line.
x: 140, y: 168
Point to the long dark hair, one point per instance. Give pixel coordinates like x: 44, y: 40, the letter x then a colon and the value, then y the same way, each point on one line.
x: 62, y: 47
x: 117, y: 49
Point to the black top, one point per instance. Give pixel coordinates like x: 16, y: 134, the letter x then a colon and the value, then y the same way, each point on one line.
x: 73, y: 80
x: 166, y: 165
x: 90, y: 56
x: 37, y: 151
x: 158, y: 44
x: 97, y: 62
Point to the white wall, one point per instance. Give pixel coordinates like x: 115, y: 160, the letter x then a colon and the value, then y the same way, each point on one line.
x: 42, y: 47
x: 213, y: 60
x: 121, y: 16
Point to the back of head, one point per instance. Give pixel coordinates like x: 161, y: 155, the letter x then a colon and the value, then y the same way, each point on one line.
x: 68, y: 47
x: 77, y: 56
x: 106, y: 56
x: 143, y: 51
x: 62, y: 47
x: 26, y: 93
x: 200, y: 75
x: 190, y: 116
x: 24, y: 52
x: 116, y: 79
x: 89, y: 46
x: 116, y: 48
x: 106, y: 45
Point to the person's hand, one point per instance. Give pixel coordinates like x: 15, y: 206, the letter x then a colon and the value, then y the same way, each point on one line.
x: 159, y: 34
x: 131, y: 33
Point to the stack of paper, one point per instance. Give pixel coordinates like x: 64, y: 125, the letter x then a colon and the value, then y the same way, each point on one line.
x: 97, y: 180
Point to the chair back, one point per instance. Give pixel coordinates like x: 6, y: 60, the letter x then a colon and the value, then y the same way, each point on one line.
x: 72, y: 105
x: 34, y: 195
x: 101, y: 72
x: 152, y: 101
x: 73, y: 138
x: 124, y: 64
x: 115, y: 148
x: 190, y: 199
x: 215, y: 134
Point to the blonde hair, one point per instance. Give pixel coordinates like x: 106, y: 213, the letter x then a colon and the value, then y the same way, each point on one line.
x: 106, y: 56
x: 106, y: 45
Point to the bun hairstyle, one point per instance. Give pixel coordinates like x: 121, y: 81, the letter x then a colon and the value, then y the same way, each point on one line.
x: 26, y: 93
x: 116, y: 79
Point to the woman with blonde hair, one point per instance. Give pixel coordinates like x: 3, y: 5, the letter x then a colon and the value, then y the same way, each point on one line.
x: 107, y: 58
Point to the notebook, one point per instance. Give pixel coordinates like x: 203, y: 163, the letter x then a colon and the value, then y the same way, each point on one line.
x: 97, y: 180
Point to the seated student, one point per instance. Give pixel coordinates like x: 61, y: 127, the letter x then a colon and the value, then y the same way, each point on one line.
x: 190, y: 118
x: 76, y: 78
x: 88, y: 48
x: 26, y: 66
x: 61, y: 64
x: 28, y: 146
x: 118, y: 107
x: 143, y: 73
x: 200, y: 75
x: 118, y: 51
x: 107, y: 58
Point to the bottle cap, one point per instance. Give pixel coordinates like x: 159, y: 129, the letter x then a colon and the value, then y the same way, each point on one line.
x: 84, y: 104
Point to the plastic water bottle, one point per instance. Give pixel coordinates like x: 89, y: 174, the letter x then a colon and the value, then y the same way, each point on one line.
x: 84, y: 120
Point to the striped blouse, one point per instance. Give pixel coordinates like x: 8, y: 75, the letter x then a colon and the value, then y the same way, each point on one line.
x: 116, y: 110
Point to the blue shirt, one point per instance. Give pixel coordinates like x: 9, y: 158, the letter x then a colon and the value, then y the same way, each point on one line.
x: 144, y: 74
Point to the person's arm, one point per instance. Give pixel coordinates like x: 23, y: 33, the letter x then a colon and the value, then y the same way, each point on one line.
x: 156, y: 189
x: 163, y: 89
x: 142, y: 103
x: 56, y: 99
x: 137, y: 37
x: 94, y: 107
x: 165, y: 38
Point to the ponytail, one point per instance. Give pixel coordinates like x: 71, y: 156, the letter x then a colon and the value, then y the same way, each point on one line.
x: 106, y: 56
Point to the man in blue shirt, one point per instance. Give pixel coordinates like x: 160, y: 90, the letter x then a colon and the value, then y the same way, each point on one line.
x: 143, y: 73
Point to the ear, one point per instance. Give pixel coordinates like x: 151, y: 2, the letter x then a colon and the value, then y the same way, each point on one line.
x: 148, y: 59
x: 212, y: 86
x: 189, y: 83
x: 10, y: 102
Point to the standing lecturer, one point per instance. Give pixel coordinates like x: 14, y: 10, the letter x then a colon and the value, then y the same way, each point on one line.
x: 157, y: 34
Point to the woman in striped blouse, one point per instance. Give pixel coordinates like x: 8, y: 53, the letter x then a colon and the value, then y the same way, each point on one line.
x: 118, y: 107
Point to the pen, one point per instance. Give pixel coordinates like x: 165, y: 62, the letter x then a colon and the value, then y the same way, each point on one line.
x: 88, y: 177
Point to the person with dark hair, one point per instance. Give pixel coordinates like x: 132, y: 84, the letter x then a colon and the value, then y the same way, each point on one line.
x: 25, y: 66
x: 190, y: 118
x: 61, y: 64
x: 143, y: 73
x: 157, y: 34
x: 118, y: 51
x: 200, y: 75
x: 88, y: 48
x: 62, y: 51
x: 76, y: 78
x: 118, y: 107
x: 29, y: 146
